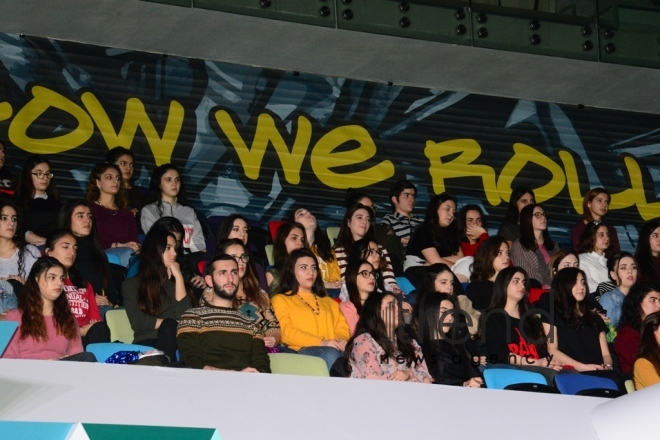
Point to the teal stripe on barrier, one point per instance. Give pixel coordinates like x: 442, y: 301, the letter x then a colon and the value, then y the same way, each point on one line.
x: 34, y: 430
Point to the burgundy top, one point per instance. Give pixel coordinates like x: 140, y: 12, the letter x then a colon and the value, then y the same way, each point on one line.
x: 578, y: 229
x: 114, y: 226
x: 626, y: 346
x: 55, y: 347
x: 82, y: 302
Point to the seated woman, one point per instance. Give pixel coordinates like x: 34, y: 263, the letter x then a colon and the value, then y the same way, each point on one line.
x: 167, y: 198
x: 236, y: 226
x: 491, y: 257
x: 508, y: 339
x: 361, y: 281
x: 436, y: 241
x: 595, y: 249
x: 375, y: 352
x: 439, y: 278
x: 311, y: 321
x: 562, y: 259
x: 159, y: 295
x: 47, y: 328
x: 521, y: 196
x: 647, y: 253
x: 16, y: 257
x: 471, y: 228
x: 289, y: 237
x: 364, y: 249
x: 356, y: 225
x: 642, y: 301
x: 576, y: 337
x: 115, y: 224
x: 61, y: 245
x: 37, y: 196
x: 595, y: 206
x: 319, y: 243
x: 125, y: 160
x: 91, y: 261
x: 534, y: 249
x: 444, y: 350
x: 249, y: 298
x: 623, y: 271
x: 647, y: 365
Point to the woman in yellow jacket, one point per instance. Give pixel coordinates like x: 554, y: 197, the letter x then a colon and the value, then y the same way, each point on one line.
x: 311, y: 321
x: 647, y: 366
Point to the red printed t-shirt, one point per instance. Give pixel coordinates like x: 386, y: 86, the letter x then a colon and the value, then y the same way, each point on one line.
x: 82, y: 302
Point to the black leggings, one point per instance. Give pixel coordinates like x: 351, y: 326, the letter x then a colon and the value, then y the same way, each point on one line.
x: 166, y: 341
x: 99, y: 332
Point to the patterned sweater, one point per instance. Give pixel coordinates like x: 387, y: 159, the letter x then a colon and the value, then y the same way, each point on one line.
x: 221, y: 337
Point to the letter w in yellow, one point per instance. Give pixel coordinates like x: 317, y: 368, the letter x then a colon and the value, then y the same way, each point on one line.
x: 266, y: 133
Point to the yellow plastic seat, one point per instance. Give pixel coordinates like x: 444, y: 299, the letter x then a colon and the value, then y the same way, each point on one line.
x: 269, y: 254
x: 298, y: 364
x: 630, y: 386
x: 333, y: 233
x: 120, y: 327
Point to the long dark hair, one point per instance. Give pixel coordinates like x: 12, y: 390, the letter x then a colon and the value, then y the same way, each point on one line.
x: 25, y: 187
x: 527, y: 238
x: 19, y: 236
x: 427, y: 287
x: 99, y: 258
x: 648, y: 345
x: 512, y: 214
x: 429, y: 317
x: 589, y: 236
x: 288, y: 281
x: 461, y: 219
x: 443, y: 236
x: 643, y: 254
x: 345, y: 237
x: 154, y: 194
x: 94, y: 192
x: 565, y: 303
x: 280, y: 253
x: 31, y: 303
x: 250, y: 283
x: 482, y: 268
x: 224, y: 230
x: 350, y: 275
x: 360, y: 251
x: 532, y: 325
x: 322, y: 244
x: 371, y: 322
x: 71, y: 273
x: 153, y: 273
x: 631, y: 310
x: 613, y: 265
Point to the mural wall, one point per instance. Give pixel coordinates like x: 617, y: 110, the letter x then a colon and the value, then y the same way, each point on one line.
x: 258, y: 141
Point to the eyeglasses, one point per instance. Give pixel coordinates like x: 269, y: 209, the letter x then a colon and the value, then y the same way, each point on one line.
x: 372, y: 251
x: 244, y: 258
x: 41, y: 175
x: 369, y: 274
x: 539, y: 215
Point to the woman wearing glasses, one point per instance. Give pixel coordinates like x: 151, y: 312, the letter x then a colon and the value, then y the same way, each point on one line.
x: 361, y: 281
x: 534, y: 249
x: 37, y: 196
x: 114, y: 223
x: 250, y: 299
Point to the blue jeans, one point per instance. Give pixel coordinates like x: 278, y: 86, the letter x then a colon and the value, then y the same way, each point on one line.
x: 328, y: 354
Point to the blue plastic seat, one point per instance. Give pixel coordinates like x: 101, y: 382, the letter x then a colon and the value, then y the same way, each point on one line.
x: 500, y: 378
x: 104, y: 350
x: 585, y: 384
x: 7, y: 329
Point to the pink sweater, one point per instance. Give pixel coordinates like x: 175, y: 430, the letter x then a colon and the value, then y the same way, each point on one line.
x: 55, y: 347
x: 351, y: 315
